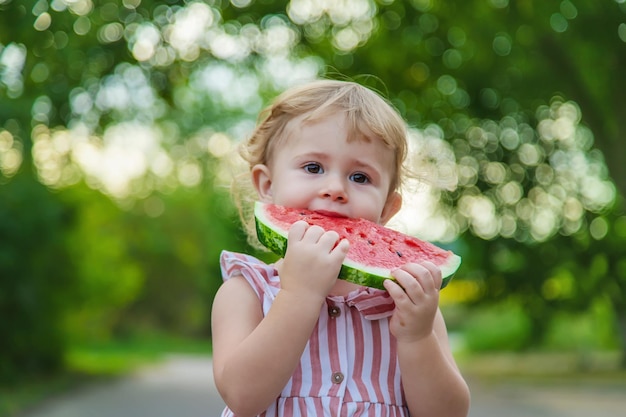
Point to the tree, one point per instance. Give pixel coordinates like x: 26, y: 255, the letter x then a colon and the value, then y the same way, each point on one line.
x: 510, y: 116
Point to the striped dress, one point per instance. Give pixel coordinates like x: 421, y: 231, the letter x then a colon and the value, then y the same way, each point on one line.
x: 349, y: 366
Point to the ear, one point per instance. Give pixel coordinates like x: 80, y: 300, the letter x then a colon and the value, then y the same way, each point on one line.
x: 262, y: 181
x: 392, y: 207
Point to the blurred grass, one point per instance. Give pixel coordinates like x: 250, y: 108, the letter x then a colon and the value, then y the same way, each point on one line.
x: 88, y: 363
x: 119, y: 357
x: 543, y: 364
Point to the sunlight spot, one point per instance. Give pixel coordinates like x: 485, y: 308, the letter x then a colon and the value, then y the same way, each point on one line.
x: 131, y: 4
x: 82, y: 25
x: 543, y: 224
x: 12, y: 60
x: 502, y: 44
x: 40, y: 72
x: 42, y: 22
x: 621, y: 31
x: 346, y: 39
x: 562, y: 128
x: 524, y: 209
x: 189, y: 28
x: 495, y: 172
x: 240, y: 3
x: 508, y: 225
x: 111, y: 32
x: 219, y: 145
x: 80, y: 7
x: 161, y: 164
x: 276, y: 39
x: 452, y: 58
x: 467, y: 171
x: 499, y: 4
x: 511, y: 192
x: 189, y: 173
x: 572, y: 209
x: 421, y: 215
x: 10, y: 157
x: 447, y: 85
x: 481, y: 213
x: 146, y: 39
x: 339, y: 12
x: 568, y: 9
x: 544, y: 174
x: 119, y: 158
x: 558, y: 22
x: 154, y: 206
x: 11, y: 161
x: 530, y: 154
x: 226, y: 46
x: 597, y: 193
x: 598, y: 228
x: 509, y: 138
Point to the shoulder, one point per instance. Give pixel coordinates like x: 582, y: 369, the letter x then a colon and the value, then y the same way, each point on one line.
x: 261, y: 277
x: 230, y: 260
x: 237, y: 295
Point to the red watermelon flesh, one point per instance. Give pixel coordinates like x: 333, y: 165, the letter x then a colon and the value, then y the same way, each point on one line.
x: 374, y: 252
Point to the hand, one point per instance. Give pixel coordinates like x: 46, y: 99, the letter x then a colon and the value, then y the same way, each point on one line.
x: 313, y: 259
x: 416, y: 295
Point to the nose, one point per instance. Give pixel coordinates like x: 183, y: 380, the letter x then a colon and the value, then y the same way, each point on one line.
x: 334, y: 189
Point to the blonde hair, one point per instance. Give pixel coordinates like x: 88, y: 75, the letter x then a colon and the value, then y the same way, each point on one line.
x: 368, y: 114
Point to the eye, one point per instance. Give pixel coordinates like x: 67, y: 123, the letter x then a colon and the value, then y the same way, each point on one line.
x: 359, y: 178
x: 313, y: 168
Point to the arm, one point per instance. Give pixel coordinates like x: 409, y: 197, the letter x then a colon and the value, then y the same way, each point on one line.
x: 254, y: 356
x: 432, y: 382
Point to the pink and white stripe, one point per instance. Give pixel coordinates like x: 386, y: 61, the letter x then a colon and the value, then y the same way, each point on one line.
x: 356, y: 343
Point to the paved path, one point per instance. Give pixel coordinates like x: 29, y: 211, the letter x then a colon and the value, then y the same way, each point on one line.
x: 183, y: 387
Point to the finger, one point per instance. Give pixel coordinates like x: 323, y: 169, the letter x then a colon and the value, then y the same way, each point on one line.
x: 394, y: 289
x: 329, y: 238
x: 435, y: 272
x: 341, y: 249
x: 427, y: 278
x: 297, y: 230
x: 313, y: 234
x: 412, y: 290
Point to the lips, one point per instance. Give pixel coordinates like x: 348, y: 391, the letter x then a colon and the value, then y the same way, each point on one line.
x: 330, y: 213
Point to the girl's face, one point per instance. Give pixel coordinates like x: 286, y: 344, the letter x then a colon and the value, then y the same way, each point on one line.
x: 316, y: 168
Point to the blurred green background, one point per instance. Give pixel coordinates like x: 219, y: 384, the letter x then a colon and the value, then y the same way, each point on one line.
x: 119, y: 121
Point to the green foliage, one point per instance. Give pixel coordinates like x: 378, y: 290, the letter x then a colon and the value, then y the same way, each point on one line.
x: 592, y: 330
x: 179, y: 253
x: 502, y: 327
x: 117, y: 357
x: 110, y: 277
x: 141, y: 272
x: 91, y: 92
x: 37, y: 278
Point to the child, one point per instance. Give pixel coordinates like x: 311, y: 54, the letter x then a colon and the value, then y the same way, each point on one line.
x: 290, y: 339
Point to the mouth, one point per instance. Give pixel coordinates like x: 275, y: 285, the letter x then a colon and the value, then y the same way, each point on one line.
x: 330, y: 213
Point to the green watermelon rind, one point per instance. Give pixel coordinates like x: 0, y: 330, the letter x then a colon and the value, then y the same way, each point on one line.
x: 276, y: 241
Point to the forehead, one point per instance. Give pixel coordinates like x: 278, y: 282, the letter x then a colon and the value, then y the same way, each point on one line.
x: 333, y: 134
x: 335, y: 123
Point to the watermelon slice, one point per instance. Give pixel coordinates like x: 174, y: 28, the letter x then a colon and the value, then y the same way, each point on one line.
x: 374, y: 249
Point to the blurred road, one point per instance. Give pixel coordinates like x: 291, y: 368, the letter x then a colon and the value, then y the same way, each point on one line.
x: 183, y: 387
